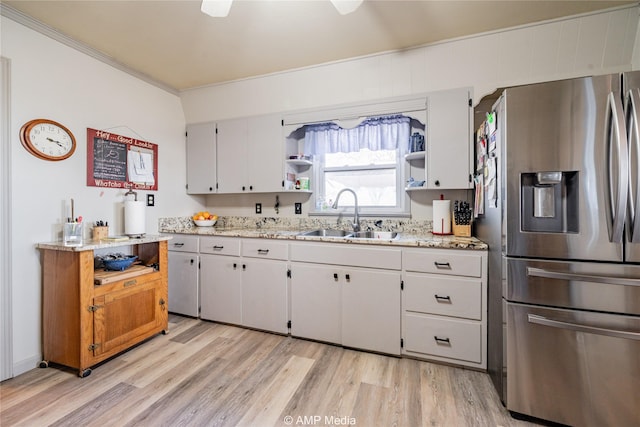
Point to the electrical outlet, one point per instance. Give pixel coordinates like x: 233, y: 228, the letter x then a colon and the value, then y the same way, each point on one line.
x: 298, y: 208
x: 258, y: 208
x: 151, y: 200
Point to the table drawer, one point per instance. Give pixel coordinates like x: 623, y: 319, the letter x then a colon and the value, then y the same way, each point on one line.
x: 443, y: 261
x: 263, y: 248
x: 183, y: 244
x: 451, y: 338
x: 443, y: 295
x: 220, y: 246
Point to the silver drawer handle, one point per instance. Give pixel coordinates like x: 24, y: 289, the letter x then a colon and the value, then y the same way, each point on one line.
x: 539, y: 272
x: 533, y: 318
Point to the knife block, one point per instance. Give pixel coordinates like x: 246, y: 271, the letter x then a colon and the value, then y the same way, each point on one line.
x: 461, y: 230
x: 100, y: 233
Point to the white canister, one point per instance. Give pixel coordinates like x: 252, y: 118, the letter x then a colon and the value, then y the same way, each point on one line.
x: 442, y: 217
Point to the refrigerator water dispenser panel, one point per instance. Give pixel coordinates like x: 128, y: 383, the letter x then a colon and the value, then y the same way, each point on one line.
x: 549, y: 202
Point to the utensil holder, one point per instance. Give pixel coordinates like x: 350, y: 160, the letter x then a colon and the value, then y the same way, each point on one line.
x: 100, y: 233
x: 72, y: 233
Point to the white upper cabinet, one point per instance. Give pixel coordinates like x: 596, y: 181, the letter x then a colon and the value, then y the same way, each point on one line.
x: 449, y: 139
x: 249, y: 154
x: 201, y: 158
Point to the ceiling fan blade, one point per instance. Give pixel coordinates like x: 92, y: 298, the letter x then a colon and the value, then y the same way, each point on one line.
x: 216, y: 8
x: 345, y: 7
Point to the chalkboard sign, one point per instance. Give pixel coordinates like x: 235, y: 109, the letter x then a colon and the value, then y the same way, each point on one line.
x: 117, y: 161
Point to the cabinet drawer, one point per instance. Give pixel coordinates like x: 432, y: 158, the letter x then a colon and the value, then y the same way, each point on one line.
x: 183, y: 244
x: 448, y: 296
x: 443, y: 262
x: 220, y: 246
x: 353, y: 255
x: 263, y: 248
x: 451, y: 338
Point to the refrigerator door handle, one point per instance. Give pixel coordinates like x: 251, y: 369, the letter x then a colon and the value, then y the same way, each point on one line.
x: 593, y: 278
x: 540, y: 320
x: 616, y: 137
x: 632, y: 115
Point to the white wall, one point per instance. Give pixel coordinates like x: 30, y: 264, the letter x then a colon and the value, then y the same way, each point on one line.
x: 51, y: 80
x: 586, y: 45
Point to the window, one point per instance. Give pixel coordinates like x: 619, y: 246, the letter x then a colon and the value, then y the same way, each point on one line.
x: 368, y: 158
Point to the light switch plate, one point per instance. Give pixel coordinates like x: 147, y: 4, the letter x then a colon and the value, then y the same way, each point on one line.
x: 298, y: 208
x: 258, y: 208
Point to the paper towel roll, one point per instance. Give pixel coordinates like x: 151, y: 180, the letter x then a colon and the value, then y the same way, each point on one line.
x: 442, y: 217
x: 134, y: 218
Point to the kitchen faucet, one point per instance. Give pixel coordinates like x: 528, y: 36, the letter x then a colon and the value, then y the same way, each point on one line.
x: 356, y: 215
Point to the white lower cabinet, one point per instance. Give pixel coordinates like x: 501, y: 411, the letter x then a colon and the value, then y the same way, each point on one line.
x: 343, y: 304
x: 264, y: 285
x: 183, y: 276
x: 316, y: 310
x: 220, y: 279
x: 371, y: 310
x: 221, y: 288
x: 239, y: 289
x: 444, y: 306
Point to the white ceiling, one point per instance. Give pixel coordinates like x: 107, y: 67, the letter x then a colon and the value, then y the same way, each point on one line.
x: 173, y: 43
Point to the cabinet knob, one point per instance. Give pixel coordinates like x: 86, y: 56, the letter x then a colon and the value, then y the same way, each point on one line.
x: 235, y: 265
x: 335, y: 276
x: 347, y: 276
x: 244, y: 267
x: 251, y: 187
x: 437, y: 183
x: 243, y: 188
x: 162, y: 304
x: 210, y: 188
x: 191, y: 261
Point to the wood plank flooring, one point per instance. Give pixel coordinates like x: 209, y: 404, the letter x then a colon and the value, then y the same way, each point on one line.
x: 208, y: 374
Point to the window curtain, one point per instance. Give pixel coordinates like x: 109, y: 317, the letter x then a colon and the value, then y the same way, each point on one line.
x: 374, y: 133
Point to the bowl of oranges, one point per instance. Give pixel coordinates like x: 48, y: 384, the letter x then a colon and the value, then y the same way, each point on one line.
x: 204, y: 219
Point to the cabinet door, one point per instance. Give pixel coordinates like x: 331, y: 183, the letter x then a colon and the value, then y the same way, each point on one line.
x: 316, y: 302
x: 264, y: 295
x: 201, y: 158
x: 449, y: 141
x: 371, y: 310
x: 183, y: 283
x: 122, y: 316
x: 264, y: 154
x: 220, y: 288
x: 232, y: 155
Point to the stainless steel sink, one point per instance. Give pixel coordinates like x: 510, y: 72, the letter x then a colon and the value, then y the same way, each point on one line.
x: 381, y: 235
x: 326, y: 233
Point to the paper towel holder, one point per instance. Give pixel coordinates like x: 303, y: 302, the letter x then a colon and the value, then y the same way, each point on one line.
x: 135, y: 194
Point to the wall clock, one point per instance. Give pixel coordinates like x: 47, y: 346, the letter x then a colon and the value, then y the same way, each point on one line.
x: 47, y: 139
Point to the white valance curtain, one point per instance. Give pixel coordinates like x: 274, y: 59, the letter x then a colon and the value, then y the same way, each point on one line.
x: 374, y: 133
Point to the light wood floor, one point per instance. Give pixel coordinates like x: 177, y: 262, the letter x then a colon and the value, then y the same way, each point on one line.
x: 207, y: 374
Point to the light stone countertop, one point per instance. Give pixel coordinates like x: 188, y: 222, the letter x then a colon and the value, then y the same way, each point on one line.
x: 91, y: 245
x: 412, y: 238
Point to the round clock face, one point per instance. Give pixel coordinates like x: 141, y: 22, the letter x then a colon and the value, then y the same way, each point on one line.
x: 47, y: 139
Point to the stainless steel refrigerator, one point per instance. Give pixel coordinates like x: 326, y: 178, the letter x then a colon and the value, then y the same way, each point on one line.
x: 562, y: 219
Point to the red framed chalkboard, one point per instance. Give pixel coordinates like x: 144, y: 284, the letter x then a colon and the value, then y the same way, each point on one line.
x: 116, y: 161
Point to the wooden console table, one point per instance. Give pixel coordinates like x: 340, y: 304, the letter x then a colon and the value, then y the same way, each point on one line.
x: 91, y: 315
